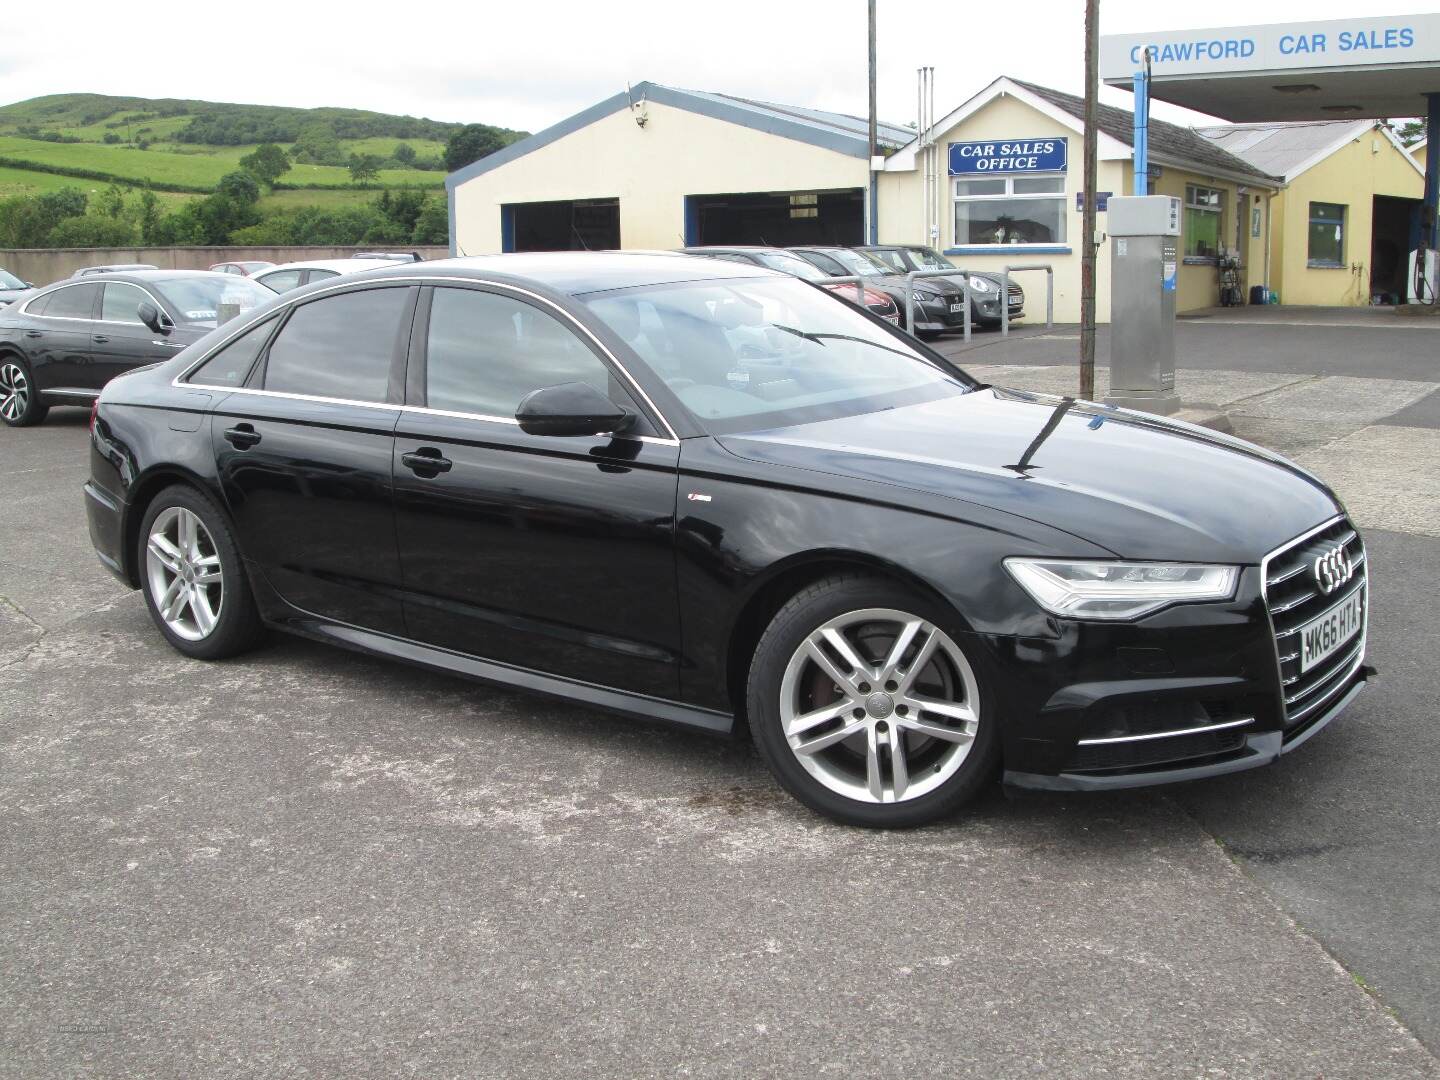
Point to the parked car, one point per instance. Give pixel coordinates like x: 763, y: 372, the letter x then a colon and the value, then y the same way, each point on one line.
x: 65, y: 342
x: 112, y: 268
x: 292, y: 275
x: 12, y: 288
x: 939, y: 305
x: 705, y: 494
x: 244, y: 269
x: 984, y: 288
x: 391, y: 256
x: 782, y: 260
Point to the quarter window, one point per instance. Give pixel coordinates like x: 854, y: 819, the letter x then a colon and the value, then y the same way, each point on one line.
x: 485, y: 352
x: 281, y: 281
x: 74, y: 302
x: 1327, y: 235
x: 121, y: 303
x: 1202, y: 221
x: 231, y: 365
x: 339, y: 347
x: 1011, y: 210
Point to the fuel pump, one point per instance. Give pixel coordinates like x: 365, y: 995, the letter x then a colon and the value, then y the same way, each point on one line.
x: 1144, y: 235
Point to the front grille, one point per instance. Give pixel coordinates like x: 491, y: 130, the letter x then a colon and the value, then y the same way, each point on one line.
x: 1294, y: 597
x: 1016, y: 296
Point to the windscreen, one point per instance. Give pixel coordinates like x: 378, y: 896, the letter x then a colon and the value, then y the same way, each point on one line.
x: 929, y: 259
x: 748, y: 354
x: 10, y: 281
x: 859, y: 263
x: 790, y: 264
x: 197, y: 300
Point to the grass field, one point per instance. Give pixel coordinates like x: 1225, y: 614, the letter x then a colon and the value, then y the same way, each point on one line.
x: 27, y: 182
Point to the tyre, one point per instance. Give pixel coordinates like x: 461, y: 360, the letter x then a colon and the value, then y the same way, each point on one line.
x: 866, y: 708
x: 193, y: 578
x: 20, y: 404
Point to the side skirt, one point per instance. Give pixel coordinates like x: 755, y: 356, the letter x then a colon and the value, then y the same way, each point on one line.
x: 514, y: 678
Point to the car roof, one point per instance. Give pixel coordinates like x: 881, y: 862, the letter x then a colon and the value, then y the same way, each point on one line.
x: 141, y: 277
x: 576, y: 272
x: 344, y: 266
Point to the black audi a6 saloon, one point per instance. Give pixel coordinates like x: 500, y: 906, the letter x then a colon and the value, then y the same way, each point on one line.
x: 717, y: 496
x: 60, y: 346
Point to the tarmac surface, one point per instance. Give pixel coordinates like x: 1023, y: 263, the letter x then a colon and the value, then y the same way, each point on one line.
x: 307, y: 862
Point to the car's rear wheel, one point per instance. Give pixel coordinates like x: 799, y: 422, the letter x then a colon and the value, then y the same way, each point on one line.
x: 866, y: 707
x: 20, y: 404
x: 193, y: 578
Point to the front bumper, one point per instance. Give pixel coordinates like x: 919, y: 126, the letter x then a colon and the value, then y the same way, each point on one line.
x: 1192, y: 691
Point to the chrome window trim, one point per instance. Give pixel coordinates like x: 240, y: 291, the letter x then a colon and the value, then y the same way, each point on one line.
x: 1168, y: 734
x: 1355, y: 663
x: 25, y: 310
x: 418, y: 279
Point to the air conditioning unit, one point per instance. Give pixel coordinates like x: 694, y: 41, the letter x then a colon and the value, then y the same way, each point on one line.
x: 1423, y: 279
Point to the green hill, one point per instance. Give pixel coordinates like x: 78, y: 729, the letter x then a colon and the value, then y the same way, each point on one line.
x: 182, y: 145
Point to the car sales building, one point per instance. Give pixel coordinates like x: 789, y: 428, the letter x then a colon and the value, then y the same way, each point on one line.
x: 661, y: 168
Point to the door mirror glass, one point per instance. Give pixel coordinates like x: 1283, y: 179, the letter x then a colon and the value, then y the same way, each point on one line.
x: 154, y: 318
x: 570, y: 409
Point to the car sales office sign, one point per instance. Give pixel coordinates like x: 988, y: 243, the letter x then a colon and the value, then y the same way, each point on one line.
x: 1002, y: 157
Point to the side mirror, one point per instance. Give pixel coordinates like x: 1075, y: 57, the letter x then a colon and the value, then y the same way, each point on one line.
x: 570, y: 409
x: 29, y: 284
x: 154, y: 318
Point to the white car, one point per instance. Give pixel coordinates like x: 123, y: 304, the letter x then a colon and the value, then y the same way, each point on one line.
x: 292, y: 275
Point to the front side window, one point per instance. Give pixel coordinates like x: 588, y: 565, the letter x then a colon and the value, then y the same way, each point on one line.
x: 74, y: 302
x: 231, y: 365
x: 485, y: 352
x: 747, y: 354
x: 1202, y: 221
x: 1010, y: 210
x: 121, y: 303
x: 339, y: 346
x: 1327, y: 235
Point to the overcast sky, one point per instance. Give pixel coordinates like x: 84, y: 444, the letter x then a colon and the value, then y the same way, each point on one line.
x: 528, y: 65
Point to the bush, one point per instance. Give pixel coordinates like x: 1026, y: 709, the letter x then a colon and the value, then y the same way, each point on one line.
x: 92, y: 230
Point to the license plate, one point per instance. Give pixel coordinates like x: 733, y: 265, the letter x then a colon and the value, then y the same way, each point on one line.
x: 1323, y: 635
x: 958, y: 307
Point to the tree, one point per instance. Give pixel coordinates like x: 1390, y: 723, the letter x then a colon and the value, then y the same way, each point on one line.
x: 240, y: 186
x: 1408, y: 132
x: 433, y: 224
x: 267, y: 163
x: 110, y: 203
x: 471, y: 143
x: 403, y: 153
x: 317, y: 145
x: 93, y: 231
x: 364, y: 167
x: 148, y: 216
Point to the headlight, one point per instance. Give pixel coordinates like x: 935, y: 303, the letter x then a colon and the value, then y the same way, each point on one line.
x: 926, y: 294
x: 1119, y: 590
x: 980, y: 285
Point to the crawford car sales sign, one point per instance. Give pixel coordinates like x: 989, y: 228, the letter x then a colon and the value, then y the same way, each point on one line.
x: 1007, y: 156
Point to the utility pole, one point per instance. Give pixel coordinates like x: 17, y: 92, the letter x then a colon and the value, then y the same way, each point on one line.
x: 1087, y: 217
x: 874, y: 233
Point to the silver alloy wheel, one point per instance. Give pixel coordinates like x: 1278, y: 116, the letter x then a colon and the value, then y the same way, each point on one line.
x: 879, y: 706
x: 14, y: 391
x: 184, y: 570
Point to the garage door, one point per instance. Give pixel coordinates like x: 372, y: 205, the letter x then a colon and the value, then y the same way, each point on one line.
x: 568, y: 225
x: 776, y: 218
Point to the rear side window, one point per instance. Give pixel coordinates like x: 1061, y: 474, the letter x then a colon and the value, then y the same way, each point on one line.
x: 339, y: 347
x: 73, y: 302
x: 486, y: 352
x: 321, y: 275
x: 37, y: 306
x: 281, y: 280
x: 122, y: 303
x: 232, y: 364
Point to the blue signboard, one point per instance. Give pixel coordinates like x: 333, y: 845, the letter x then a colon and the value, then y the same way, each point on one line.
x: 1008, y: 156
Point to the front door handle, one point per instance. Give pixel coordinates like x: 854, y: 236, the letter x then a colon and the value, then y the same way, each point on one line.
x: 34, y: 333
x: 426, y: 460
x: 242, y: 436
x: 99, y: 339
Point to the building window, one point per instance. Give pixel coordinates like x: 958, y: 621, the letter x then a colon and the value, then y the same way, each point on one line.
x: 1202, y: 221
x: 1010, y: 210
x: 1327, y: 235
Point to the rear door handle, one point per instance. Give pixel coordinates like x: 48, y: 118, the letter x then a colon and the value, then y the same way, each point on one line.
x: 34, y: 333
x: 426, y: 460
x: 242, y: 436
x: 99, y: 339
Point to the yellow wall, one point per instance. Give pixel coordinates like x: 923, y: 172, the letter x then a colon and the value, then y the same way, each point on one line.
x: 1352, y: 176
x: 650, y: 170
x: 902, y: 218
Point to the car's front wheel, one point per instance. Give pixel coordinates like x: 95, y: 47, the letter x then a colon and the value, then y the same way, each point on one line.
x: 20, y: 404
x: 193, y: 578
x: 865, y: 706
